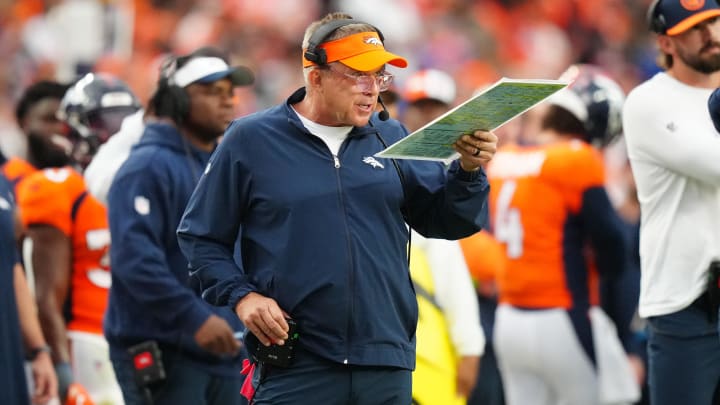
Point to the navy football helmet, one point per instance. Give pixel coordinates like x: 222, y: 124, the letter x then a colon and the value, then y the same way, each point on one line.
x: 595, y: 99
x: 94, y: 107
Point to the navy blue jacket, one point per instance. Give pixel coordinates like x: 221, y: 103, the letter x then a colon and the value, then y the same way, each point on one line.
x: 151, y: 295
x: 14, y: 388
x: 323, y: 236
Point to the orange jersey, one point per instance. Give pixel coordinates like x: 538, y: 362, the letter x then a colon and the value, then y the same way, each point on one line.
x: 485, y: 256
x: 536, y: 196
x: 58, y: 197
x: 16, y: 169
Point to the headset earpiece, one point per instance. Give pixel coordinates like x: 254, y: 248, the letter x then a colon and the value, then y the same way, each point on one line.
x: 181, y: 102
x: 318, y: 55
x: 656, y: 20
x: 171, y: 100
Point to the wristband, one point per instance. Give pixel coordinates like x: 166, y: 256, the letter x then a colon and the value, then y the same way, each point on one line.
x: 33, y: 353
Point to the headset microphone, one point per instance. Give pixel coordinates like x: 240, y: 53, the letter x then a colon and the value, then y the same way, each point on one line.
x: 384, y: 114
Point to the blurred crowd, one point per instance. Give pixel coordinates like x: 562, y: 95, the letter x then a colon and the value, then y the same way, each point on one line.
x: 476, y: 41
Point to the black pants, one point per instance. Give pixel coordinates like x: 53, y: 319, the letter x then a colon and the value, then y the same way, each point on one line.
x: 185, y: 384
x: 314, y: 380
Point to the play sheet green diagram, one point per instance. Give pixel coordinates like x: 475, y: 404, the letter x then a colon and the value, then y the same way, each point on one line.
x: 488, y: 110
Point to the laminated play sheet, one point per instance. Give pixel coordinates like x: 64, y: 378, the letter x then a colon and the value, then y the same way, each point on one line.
x: 488, y: 110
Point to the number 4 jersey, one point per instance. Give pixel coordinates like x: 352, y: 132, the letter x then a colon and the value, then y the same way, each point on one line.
x: 58, y: 198
x: 536, y: 203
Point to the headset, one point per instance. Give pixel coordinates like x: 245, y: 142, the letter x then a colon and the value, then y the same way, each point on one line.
x: 319, y: 57
x: 171, y: 100
x: 656, y: 20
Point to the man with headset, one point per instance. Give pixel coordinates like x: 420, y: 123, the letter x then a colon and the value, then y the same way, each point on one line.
x: 159, y: 329
x: 674, y: 153
x: 322, y: 229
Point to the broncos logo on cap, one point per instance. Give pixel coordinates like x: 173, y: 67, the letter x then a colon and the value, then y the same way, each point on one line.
x: 373, y: 41
x: 692, y: 5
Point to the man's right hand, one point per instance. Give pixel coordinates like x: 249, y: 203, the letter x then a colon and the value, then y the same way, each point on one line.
x: 216, y: 336
x: 263, y: 317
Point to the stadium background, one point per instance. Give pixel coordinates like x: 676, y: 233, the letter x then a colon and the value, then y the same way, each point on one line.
x: 477, y: 41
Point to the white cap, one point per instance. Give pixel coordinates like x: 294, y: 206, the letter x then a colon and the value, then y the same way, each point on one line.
x: 569, y: 100
x: 206, y: 69
x: 430, y: 84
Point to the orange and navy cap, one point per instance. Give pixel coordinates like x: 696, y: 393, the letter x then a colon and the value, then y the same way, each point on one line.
x: 363, y: 52
x: 673, y: 17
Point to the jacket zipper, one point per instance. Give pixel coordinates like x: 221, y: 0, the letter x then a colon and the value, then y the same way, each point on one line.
x: 351, y: 279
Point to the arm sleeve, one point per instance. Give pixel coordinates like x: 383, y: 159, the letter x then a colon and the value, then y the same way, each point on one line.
x: 688, y: 147
x: 209, y: 228
x: 605, y: 231
x: 139, y: 229
x: 619, y: 298
x: 609, y: 244
x: 580, y: 173
x: 602, y: 227
x: 449, y: 205
x: 456, y: 296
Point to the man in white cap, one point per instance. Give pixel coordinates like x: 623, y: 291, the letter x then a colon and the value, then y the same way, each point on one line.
x: 155, y: 313
x: 674, y: 153
x: 322, y: 226
x: 428, y: 93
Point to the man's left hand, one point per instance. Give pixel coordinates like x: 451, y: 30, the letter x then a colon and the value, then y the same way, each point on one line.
x: 45, y: 381
x: 476, y: 149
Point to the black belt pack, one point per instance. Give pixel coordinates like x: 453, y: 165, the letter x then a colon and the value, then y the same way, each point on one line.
x: 713, y: 291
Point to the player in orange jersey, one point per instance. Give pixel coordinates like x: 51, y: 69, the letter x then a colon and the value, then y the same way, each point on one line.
x: 548, y: 205
x: 70, y: 241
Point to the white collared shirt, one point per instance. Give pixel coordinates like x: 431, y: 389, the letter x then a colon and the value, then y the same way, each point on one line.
x: 674, y: 151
